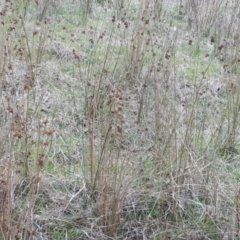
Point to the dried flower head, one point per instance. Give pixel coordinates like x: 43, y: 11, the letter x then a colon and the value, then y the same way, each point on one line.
x: 46, y: 121
x: 27, y: 87
x: 10, y: 109
x: 8, y: 98
x: 17, y: 134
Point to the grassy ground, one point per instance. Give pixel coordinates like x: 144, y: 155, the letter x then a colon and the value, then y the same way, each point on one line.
x: 119, y: 119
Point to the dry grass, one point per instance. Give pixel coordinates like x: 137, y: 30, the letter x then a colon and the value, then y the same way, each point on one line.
x: 119, y: 119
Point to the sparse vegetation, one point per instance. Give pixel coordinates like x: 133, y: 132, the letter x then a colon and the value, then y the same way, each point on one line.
x: 119, y: 119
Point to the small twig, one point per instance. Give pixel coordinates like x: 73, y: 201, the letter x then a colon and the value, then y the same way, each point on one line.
x: 74, y: 197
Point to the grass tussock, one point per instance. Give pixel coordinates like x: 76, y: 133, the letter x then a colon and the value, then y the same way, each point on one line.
x: 119, y: 119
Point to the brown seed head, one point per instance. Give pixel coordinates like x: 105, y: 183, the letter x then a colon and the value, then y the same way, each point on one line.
x: 17, y: 134
x: 46, y: 121
x: 10, y: 109
x: 27, y: 86
x: 8, y: 98
x: 49, y: 132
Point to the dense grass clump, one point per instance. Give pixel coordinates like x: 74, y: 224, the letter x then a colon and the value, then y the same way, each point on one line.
x: 119, y: 119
